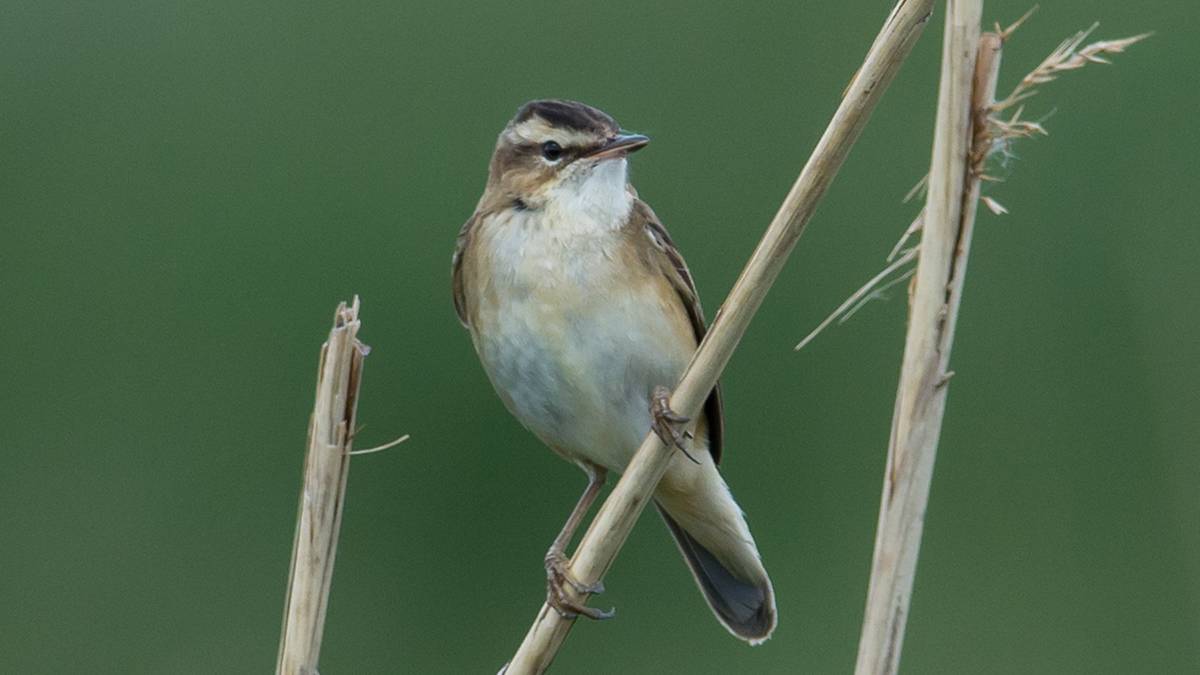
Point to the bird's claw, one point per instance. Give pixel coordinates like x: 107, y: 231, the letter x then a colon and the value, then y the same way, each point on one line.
x: 557, y: 577
x: 668, y: 424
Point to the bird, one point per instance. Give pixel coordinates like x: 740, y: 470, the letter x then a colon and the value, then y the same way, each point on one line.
x: 582, y: 312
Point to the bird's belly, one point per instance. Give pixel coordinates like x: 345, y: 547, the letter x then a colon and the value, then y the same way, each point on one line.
x: 576, y: 364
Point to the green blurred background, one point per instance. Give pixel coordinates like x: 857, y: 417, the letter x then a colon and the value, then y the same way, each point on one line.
x: 187, y: 190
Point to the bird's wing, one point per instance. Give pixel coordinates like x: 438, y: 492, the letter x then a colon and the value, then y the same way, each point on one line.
x: 456, y: 269
x: 675, y: 269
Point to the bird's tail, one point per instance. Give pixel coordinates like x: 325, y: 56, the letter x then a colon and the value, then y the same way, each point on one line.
x: 713, y: 537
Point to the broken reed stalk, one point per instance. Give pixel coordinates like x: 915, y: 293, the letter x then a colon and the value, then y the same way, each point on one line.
x: 612, y: 524
x: 326, y: 463
x: 961, y: 144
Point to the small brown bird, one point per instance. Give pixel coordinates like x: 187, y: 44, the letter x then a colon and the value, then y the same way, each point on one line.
x: 582, y: 312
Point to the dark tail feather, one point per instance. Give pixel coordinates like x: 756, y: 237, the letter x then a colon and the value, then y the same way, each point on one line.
x: 742, y: 606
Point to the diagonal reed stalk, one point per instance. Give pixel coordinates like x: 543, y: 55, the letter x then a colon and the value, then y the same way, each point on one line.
x: 326, y: 464
x: 961, y: 142
x: 612, y: 524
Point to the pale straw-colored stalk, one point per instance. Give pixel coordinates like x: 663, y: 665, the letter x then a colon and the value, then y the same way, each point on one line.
x: 326, y: 463
x: 964, y: 100
x: 995, y: 135
x: 612, y: 524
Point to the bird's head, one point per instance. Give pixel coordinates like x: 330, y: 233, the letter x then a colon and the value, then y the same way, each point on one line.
x: 560, y: 150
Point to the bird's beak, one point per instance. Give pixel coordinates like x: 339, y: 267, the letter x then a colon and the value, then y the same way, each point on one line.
x: 619, y: 146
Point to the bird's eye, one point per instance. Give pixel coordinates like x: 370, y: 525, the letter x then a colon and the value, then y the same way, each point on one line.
x: 551, y: 151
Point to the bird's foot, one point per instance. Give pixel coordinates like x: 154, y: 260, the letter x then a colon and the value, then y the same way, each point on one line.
x: 557, y: 577
x: 668, y: 424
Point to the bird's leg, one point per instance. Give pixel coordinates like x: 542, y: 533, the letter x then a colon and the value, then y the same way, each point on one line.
x: 556, y: 557
x: 668, y: 424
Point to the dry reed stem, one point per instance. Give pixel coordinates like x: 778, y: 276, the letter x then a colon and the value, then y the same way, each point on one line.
x: 969, y: 67
x: 319, y: 517
x: 1000, y: 135
x: 608, y: 531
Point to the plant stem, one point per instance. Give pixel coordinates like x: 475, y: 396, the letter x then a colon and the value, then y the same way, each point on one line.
x: 964, y: 97
x: 612, y: 524
x: 326, y: 463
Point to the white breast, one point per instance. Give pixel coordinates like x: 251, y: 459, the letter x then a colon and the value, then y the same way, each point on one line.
x: 571, y: 342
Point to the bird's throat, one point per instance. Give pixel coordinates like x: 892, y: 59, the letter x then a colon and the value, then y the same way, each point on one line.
x: 597, y: 199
